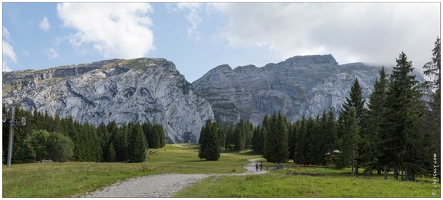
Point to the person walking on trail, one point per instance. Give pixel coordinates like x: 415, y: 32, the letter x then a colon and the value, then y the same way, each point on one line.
x: 261, y: 166
x: 256, y: 166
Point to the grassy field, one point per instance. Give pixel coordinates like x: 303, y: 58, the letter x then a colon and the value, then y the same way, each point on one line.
x: 276, y: 184
x: 76, y: 178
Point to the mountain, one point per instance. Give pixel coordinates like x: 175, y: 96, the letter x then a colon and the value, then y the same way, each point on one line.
x: 299, y: 86
x: 139, y: 90
x: 153, y: 90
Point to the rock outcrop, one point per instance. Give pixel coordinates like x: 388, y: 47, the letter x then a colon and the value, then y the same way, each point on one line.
x: 138, y: 90
x: 152, y: 90
x: 299, y: 86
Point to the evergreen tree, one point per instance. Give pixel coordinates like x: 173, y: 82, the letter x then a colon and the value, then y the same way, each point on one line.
x: 372, y: 145
x: 161, y: 136
x: 229, y: 137
x: 432, y: 69
x: 209, y: 149
x: 300, y: 147
x: 103, y: 137
x: 276, y: 140
x: 357, y: 102
x: 257, y: 139
x: 349, y: 140
x: 431, y: 127
x: 137, y: 145
x: 111, y: 155
x: 330, y: 132
x: 402, y: 96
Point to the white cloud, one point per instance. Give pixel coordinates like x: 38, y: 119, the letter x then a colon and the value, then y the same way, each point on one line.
x: 5, y: 32
x: 8, y: 52
x: 8, y: 56
x: 193, y: 17
x: 44, y: 25
x: 115, y: 30
x: 51, y: 53
x: 5, y: 67
x: 367, y: 32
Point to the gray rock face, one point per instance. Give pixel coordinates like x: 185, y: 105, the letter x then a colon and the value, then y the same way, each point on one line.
x: 301, y: 85
x: 138, y: 90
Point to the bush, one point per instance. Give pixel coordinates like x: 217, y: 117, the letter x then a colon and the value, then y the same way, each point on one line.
x: 59, y: 147
x: 41, y: 145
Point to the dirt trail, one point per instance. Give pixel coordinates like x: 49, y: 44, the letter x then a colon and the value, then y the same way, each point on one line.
x: 162, y: 185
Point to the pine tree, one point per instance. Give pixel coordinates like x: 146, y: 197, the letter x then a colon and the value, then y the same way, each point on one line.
x: 111, y: 156
x: 300, y: 147
x: 432, y: 69
x: 103, y: 137
x: 330, y: 132
x: 349, y: 140
x: 372, y: 132
x: 209, y: 149
x: 137, y: 145
x: 357, y: 102
x: 276, y: 140
x: 402, y: 96
x: 432, y: 116
x: 257, y: 139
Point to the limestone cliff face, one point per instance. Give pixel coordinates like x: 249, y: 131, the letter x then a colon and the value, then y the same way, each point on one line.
x: 138, y: 90
x: 301, y: 85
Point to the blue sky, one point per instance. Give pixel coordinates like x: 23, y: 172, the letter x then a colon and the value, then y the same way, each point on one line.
x: 200, y: 36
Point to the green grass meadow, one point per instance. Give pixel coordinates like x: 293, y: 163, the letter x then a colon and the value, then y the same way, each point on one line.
x: 276, y: 184
x: 74, y: 179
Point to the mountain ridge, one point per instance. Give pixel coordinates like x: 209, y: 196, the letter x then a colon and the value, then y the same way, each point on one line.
x: 153, y: 90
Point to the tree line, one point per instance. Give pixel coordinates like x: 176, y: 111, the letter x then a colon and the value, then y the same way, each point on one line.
x: 397, y: 129
x: 63, y: 139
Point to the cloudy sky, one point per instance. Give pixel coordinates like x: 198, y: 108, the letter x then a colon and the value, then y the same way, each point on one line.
x: 200, y: 36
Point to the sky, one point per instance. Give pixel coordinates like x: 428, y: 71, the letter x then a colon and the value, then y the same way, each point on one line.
x: 197, y: 37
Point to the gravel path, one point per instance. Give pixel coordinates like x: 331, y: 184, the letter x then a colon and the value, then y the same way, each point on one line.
x: 162, y: 185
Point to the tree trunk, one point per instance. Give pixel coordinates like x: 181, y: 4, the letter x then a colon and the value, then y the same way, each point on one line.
x: 356, y: 168
x: 386, y: 172
x: 378, y: 171
x: 352, y: 159
x: 402, y: 174
x: 406, y: 174
x: 395, y: 172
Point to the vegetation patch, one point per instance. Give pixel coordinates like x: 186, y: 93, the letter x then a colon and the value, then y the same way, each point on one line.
x: 276, y: 184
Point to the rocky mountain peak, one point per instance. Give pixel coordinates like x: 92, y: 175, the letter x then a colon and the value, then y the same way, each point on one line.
x: 137, y: 90
x: 300, y: 85
x: 312, y: 60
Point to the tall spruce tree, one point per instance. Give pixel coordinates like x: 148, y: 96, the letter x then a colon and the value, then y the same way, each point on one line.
x: 372, y: 132
x: 432, y: 122
x: 432, y: 69
x: 402, y: 97
x: 137, y: 145
x: 300, y: 138
x: 276, y: 140
x: 209, y: 149
x: 356, y: 101
x: 349, y: 140
x: 257, y: 139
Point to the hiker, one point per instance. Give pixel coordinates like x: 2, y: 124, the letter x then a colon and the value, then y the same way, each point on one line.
x: 256, y: 166
x: 261, y: 166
